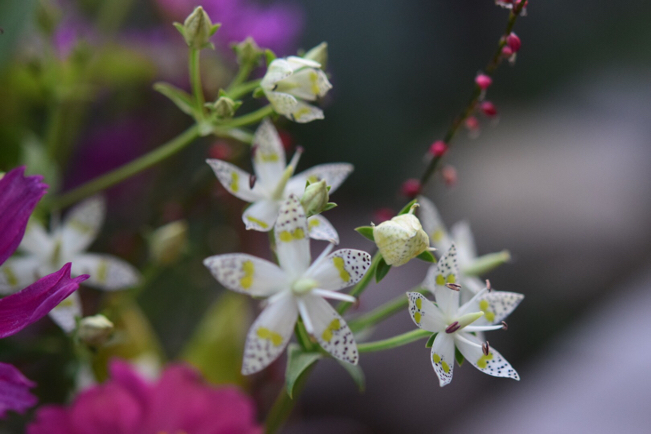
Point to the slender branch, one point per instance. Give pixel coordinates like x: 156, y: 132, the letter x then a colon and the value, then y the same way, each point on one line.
x: 242, y: 75
x: 489, y: 70
x: 283, y: 405
x: 249, y: 118
x: 195, y: 81
x: 238, y: 91
x: 382, y: 312
x: 394, y: 342
x: 361, y: 285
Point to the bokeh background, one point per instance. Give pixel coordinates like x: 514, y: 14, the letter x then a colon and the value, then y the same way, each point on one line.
x: 562, y: 180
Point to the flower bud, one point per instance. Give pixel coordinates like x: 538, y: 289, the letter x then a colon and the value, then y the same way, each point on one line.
x: 488, y: 108
x: 514, y: 43
x: 95, y: 330
x: 247, y: 51
x: 449, y: 174
x: 410, y: 188
x: 401, y: 238
x: 507, y: 52
x: 483, y: 81
x: 319, y: 54
x: 315, y: 198
x: 438, y: 148
x: 168, y: 242
x: 197, y: 29
x: 225, y: 107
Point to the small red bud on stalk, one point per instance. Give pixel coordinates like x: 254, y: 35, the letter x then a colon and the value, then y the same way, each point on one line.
x: 488, y: 109
x: 483, y: 81
x: 411, y: 188
x: 220, y: 151
x: 449, y: 174
x: 513, y: 41
x: 504, y: 326
x: 382, y: 215
x: 472, y: 125
x: 507, y: 52
x: 438, y: 148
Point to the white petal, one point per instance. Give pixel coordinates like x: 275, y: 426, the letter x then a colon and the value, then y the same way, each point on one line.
x: 64, y: 313
x: 261, y: 216
x: 493, y: 364
x: 277, y: 70
x: 269, y: 155
x: 334, y: 174
x: 19, y: 272
x: 497, y: 305
x: 106, y: 271
x: 283, y: 103
x: 321, y: 229
x: 82, y: 224
x: 445, y: 271
x: 425, y: 314
x: 433, y: 225
x: 269, y: 334
x: 308, y: 84
x: 303, y: 113
x: 36, y: 239
x: 442, y: 357
x: 292, y: 242
x: 340, y: 269
x: 247, y: 274
x: 465, y: 242
x: 331, y: 330
x: 235, y: 180
x: 299, y: 62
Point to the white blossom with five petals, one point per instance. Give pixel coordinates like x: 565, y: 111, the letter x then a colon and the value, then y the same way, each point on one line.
x: 295, y: 287
x: 46, y: 252
x: 273, y: 183
x: 291, y: 80
x: 457, y: 326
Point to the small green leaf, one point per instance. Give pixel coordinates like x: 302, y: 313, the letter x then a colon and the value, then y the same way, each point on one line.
x: 297, y: 362
x: 182, y: 99
x: 430, y: 341
x: 356, y: 373
x: 381, y: 270
x: 458, y: 356
x: 258, y: 92
x: 269, y: 55
x: 366, y: 231
x: 180, y: 28
x: 329, y: 206
x: 407, y: 207
x: 427, y: 257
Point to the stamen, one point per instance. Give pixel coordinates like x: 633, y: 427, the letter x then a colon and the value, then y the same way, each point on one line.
x: 485, y: 348
x: 488, y: 285
x: 453, y: 286
x: 452, y: 327
x: 307, y: 322
x: 504, y: 326
x: 334, y: 295
x: 252, y: 180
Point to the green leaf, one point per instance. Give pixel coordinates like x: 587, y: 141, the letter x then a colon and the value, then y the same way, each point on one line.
x: 182, y: 99
x: 366, y: 231
x: 258, y: 92
x: 458, y: 356
x: 427, y: 257
x: 407, y: 207
x: 270, y: 56
x: 356, y: 373
x: 329, y: 206
x: 430, y: 341
x: 297, y: 362
x: 381, y: 270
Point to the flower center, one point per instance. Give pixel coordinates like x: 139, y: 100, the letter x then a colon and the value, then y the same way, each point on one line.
x: 463, y: 321
x: 304, y: 285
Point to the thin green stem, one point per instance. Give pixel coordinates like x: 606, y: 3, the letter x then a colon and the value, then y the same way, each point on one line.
x: 195, y: 80
x: 132, y: 168
x: 381, y: 313
x: 394, y: 342
x: 238, y: 91
x: 242, y: 75
x: 284, y: 405
x: 249, y: 118
x: 362, y: 284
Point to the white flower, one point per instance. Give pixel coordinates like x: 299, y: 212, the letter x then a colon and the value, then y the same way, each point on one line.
x: 46, y: 252
x: 291, y: 80
x: 293, y: 287
x: 456, y: 326
x: 274, y: 182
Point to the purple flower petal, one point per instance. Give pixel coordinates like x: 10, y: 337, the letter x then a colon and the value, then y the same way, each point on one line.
x: 19, y: 310
x: 18, y: 197
x: 14, y: 390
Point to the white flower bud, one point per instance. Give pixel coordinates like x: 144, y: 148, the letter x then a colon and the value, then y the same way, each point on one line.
x: 401, y: 238
x: 319, y: 54
x: 247, y: 51
x: 168, y: 242
x: 225, y: 107
x: 95, y: 330
x: 315, y: 198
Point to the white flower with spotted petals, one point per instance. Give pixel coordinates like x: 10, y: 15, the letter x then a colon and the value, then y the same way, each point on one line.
x: 46, y: 252
x: 457, y: 326
x: 295, y: 287
x: 273, y: 183
x: 290, y: 81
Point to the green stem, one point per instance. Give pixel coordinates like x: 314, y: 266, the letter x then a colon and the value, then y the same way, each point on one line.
x: 362, y: 284
x: 53, y: 129
x: 132, y: 168
x: 241, y: 76
x: 195, y: 81
x: 394, y: 342
x: 249, y: 118
x: 238, y: 91
x: 284, y: 405
x: 381, y: 313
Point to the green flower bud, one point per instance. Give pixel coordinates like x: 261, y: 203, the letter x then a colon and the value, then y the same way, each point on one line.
x: 318, y: 54
x: 168, y: 242
x: 247, y: 52
x: 197, y: 29
x: 401, y: 238
x: 95, y: 330
x: 315, y: 198
x: 225, y: 107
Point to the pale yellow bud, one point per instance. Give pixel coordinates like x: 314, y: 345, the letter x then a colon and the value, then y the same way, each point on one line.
x: 315, y: 198
x: 168, y: 242
x: 95, y: 330
x: 401, y: 238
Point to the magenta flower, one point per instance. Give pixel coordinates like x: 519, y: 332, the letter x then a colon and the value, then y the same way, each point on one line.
x: 18, y: 197
x: 179, y: 402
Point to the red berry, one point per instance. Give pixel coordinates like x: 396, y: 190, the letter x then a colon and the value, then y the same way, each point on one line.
x: 483, y: 81
x: 438, y: 148
x: 513, y: 41
x: 488, y: 108
x: 411, y: 188
x: 221, y: 151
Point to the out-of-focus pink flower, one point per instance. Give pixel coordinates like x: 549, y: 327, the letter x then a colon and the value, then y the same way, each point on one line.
x: 14, y: 390
x: 274, y: 26
x: 178, y: 402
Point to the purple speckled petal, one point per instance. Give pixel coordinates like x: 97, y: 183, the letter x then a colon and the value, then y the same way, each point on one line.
x: 18, y: 197
x: 14, y: 390
x: 19, y: 310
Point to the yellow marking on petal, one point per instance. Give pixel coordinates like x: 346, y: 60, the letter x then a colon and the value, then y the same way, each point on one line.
x: 270, y: 335
x: 437, y: 235
x: 440, y: 280
x: 482, y: 362
x: 102, y: 271
x: 333, y: 327
x: 285, y: 236
x: 314, y: 80
x: 313, y: 223
x: 300, y: 112
x: 417, y: 317
x: 340, y: 266
x: 419, y: 303
x: 298, y: 234
x: 262, y: 224
x: 452, y: 279
x: 484, y: 305
x: 235, y: 178
x: 247, y: 280
x: 490, y: 316
x: 11, y: 276
x: 67, y: 302
x: 268, y: 158
x: 313, y: 179
x: 436, y: 358
x: 445, y: 367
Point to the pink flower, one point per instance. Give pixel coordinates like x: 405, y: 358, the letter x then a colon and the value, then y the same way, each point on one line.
x: 14, y: 390
x: 179, y: 402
